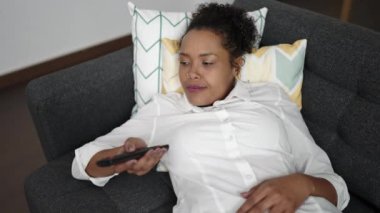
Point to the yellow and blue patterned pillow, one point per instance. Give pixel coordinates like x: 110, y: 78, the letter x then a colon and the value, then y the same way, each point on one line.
x: 148, y: 29
x: 282, y: 64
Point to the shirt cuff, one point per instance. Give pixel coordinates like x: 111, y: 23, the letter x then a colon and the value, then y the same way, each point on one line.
x: 343, y: 197
x: 161, y: 167
x: 82, y: 157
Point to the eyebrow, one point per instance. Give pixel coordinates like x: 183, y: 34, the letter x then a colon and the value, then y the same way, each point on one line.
x: 200, y: 55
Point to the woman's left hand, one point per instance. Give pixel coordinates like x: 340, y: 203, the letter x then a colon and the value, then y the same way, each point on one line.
x: 282, y: 194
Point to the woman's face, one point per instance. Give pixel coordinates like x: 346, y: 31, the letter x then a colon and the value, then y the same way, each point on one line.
x: 205, y: 72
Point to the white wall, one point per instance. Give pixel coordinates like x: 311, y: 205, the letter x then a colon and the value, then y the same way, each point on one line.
x: 35, y: 31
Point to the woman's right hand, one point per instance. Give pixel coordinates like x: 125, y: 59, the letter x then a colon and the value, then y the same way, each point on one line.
x: 137, y: 167
x: 142, y: 165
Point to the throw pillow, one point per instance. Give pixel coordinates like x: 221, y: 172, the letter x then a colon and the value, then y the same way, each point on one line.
x: 148, y: 29
x: 282, y: 64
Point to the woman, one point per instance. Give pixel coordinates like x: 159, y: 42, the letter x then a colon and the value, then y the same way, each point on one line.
x: 234, y: 146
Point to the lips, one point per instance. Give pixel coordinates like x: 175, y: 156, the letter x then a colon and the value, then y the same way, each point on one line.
x: 195, y: 88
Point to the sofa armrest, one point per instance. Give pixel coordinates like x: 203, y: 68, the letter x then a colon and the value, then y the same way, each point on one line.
x: 75, y: 105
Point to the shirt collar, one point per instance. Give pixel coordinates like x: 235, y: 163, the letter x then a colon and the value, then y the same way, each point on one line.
x: 239, y: 93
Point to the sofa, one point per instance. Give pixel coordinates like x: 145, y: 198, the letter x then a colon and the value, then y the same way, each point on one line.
x: 341, y: 107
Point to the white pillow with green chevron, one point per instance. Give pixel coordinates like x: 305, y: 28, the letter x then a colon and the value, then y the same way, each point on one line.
x: 148, y: 28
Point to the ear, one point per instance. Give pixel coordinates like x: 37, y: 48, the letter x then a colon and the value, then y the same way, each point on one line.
x: 238, y: 64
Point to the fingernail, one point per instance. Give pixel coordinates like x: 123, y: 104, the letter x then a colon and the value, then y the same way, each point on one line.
x: 244, y: 194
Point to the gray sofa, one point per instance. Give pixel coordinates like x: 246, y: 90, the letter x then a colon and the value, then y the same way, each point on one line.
x: 341, y: 107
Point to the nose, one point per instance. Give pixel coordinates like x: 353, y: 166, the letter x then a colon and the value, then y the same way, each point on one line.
x: 193, y: 73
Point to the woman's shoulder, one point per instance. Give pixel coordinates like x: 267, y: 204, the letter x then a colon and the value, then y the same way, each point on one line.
x: 159, y: 104
x: 170, y: 99
x: 263, y: 89
x: 267, y: 92
x: 170, y: 103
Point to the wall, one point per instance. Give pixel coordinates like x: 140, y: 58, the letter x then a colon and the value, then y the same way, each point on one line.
x: 36, y: 31
x: 364, y: 12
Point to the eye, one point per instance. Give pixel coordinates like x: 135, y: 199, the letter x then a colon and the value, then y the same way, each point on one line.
x: 207, y: 63
x: 184, y: 63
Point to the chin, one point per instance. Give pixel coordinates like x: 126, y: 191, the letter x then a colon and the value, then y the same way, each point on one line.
x: 199, y: 100
x: 200, y: 103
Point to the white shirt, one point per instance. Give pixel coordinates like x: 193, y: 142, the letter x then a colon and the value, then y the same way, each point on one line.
x: 217, y: 152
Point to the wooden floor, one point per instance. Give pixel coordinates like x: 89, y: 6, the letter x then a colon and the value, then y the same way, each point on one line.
x: 20, y: 151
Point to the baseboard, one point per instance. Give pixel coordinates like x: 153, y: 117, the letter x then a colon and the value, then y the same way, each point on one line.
x: 29, y: 73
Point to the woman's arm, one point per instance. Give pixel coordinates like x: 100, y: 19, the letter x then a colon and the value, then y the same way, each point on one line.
x: 287, y: 193
x: 323, y: 188
x: 314, y: 175
x: 140, y: 125
x: 309, y: 158
x: 138, y: 167
x: 94, y: 170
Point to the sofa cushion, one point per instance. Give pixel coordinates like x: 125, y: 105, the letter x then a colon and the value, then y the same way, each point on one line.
x: 79, y: 103
x: 148, y: 28
x: 53, y: 189
x: 341, y: 89
x: 359, y: 205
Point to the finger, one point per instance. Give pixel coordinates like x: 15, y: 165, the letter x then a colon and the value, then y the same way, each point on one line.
x: 278, y: 209
x: 284, y: 207
x: 144, y: 159
x: 265, y: 204
x: 153, y: 157
x: 259, y: 193
x: 131, y: 144
x: 150, y: 159
x: 147, y: 162
x: 253, y: 188
x: 248, y: 193
x: 144, y: 163
x: 249, y: 204
x: 253, y: 197
x: 125, y: 166
x: 156, y: 155
x: 142, y: 172
x: 263, y: 190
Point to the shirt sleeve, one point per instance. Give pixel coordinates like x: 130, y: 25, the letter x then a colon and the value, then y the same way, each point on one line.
x: 141, y: 125
x: 309, y: 158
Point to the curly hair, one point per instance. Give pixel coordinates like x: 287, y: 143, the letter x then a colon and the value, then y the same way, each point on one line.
x: 233, y: 24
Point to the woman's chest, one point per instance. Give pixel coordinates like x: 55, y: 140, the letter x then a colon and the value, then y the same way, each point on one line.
x: 215, y: 133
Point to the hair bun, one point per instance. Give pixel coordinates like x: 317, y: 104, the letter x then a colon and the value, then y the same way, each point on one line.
x: 235, y: 26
